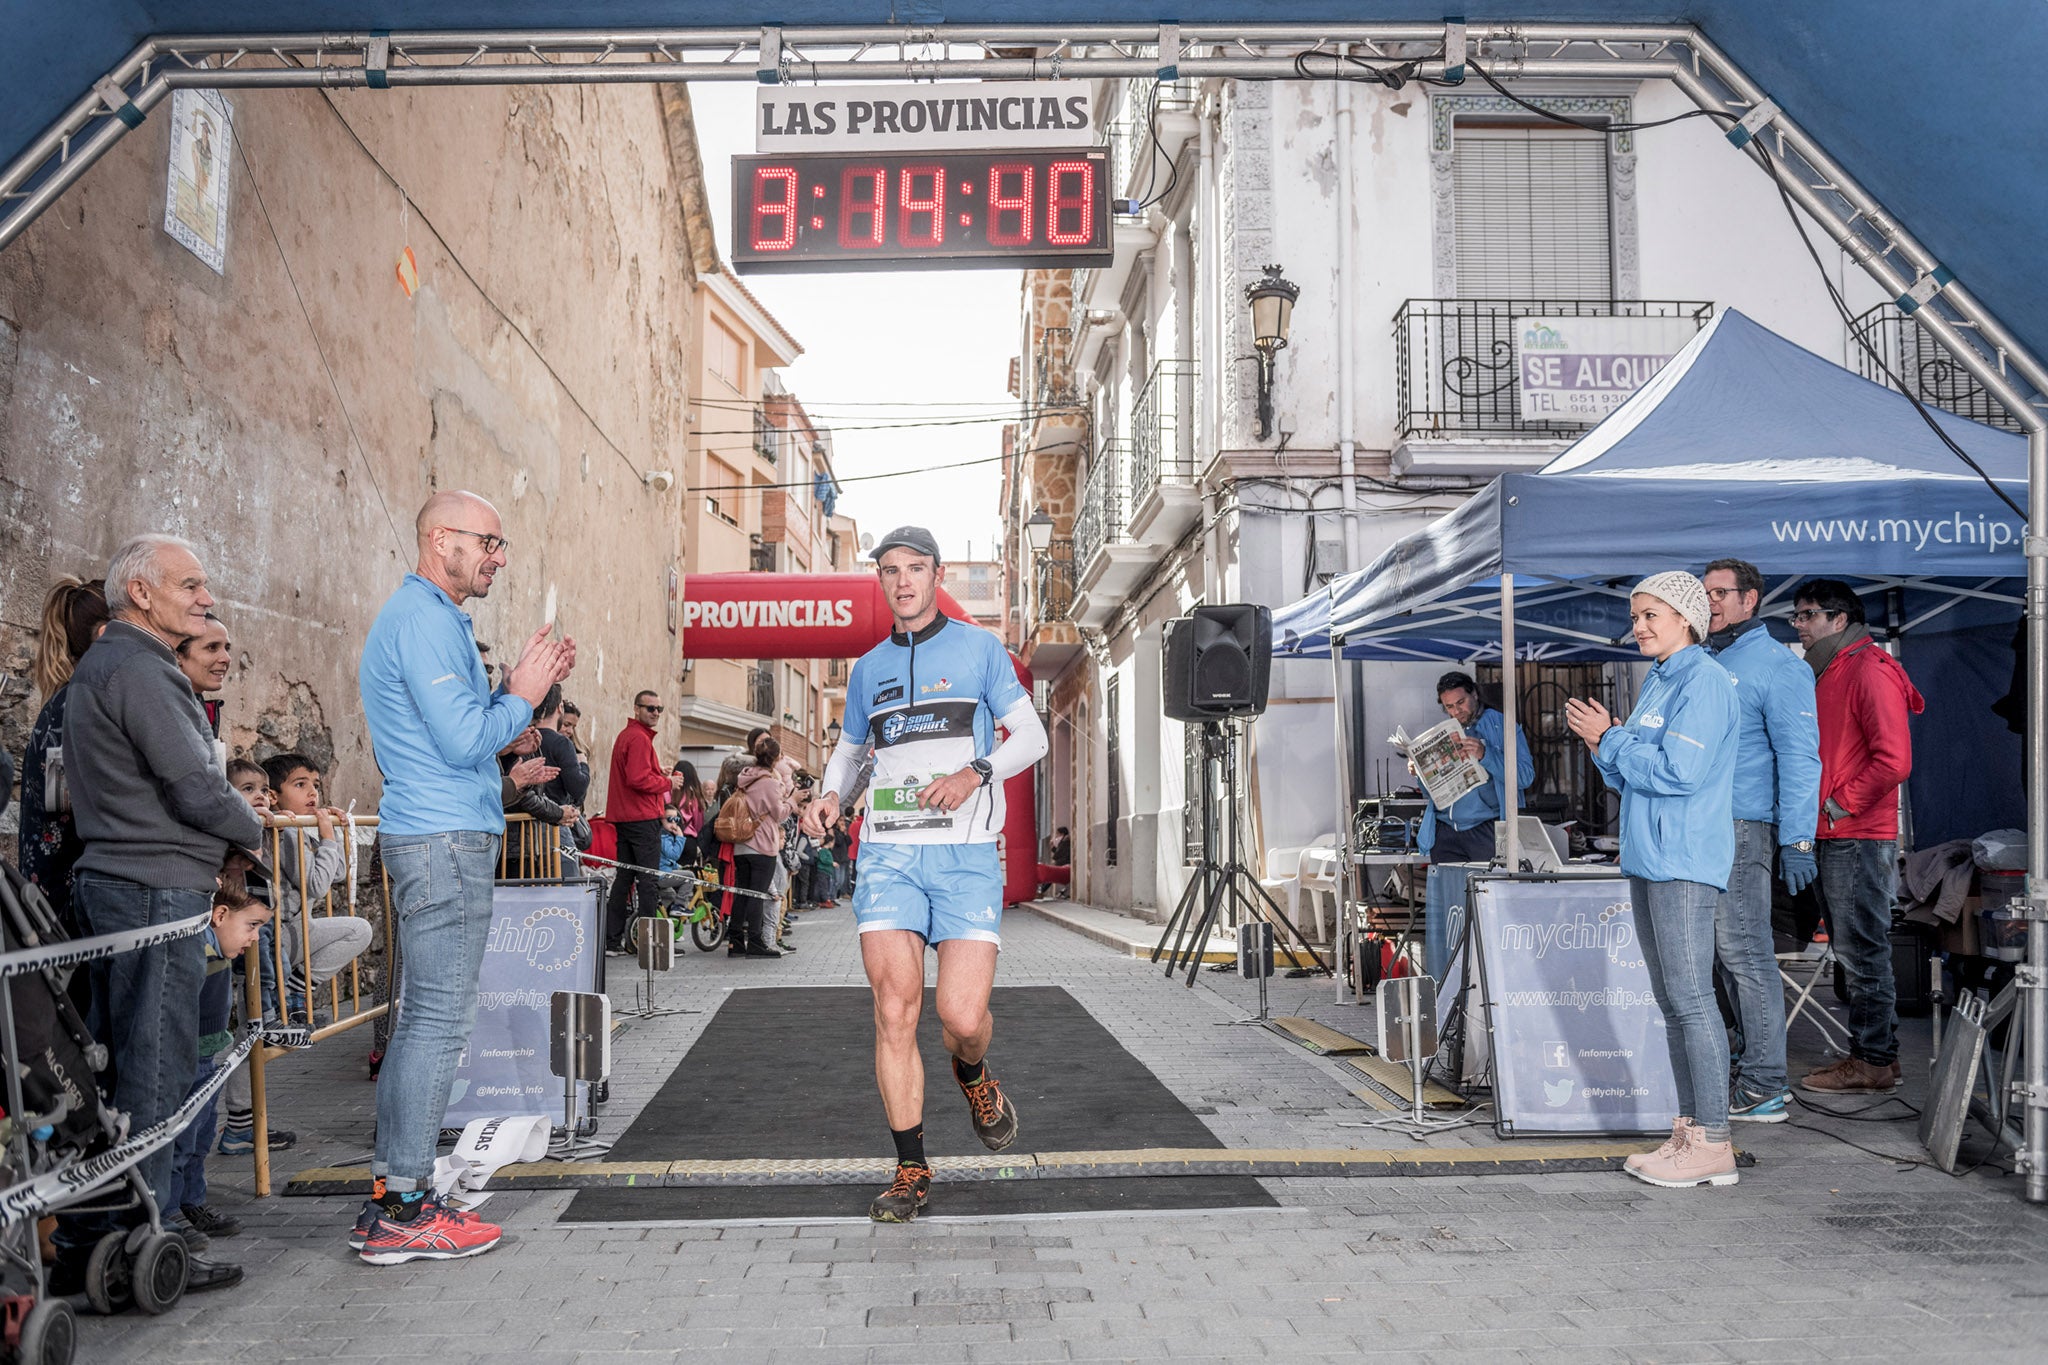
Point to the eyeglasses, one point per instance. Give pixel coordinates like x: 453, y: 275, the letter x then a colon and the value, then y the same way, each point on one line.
x: 650, y: 708
x: 1805, y: 614
x: 491, y: 544
x: 1722, y: 594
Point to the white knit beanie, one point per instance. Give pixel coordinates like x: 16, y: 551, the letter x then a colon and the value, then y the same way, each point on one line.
x: 1686, y: 594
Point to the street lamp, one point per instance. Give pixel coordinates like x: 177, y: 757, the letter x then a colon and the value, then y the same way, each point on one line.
x: 1038, y: 532
x: 832, y: 735
x: 1272, y: 304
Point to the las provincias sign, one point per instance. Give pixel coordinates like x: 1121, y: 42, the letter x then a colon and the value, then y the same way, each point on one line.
x: 959, y: 116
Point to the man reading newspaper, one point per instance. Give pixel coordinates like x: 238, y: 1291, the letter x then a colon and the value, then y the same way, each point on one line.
x: 1462, y: 830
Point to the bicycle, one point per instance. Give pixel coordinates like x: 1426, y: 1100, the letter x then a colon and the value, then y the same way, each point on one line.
x: 705, y: 912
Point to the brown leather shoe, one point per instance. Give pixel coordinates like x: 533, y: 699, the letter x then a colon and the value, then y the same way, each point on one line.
x: 1853, y: 1076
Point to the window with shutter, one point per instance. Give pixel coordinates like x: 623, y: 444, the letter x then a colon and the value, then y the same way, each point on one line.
x: 1531, y: 213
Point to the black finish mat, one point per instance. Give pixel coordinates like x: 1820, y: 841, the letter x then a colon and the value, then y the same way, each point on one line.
x: 789, y: 1073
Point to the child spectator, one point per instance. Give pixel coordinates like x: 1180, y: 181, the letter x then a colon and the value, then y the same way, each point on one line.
x: 335, y: 940
x: 252, y: 782
x: 238, y: 922
x: 239, y: 1134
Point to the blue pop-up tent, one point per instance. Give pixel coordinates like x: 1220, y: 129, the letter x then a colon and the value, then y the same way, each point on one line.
x: 1745, y: 445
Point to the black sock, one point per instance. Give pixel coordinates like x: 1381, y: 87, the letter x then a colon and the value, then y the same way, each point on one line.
x: 402, y: 1206
x: 968, y: 1072
x: 909, y: 1145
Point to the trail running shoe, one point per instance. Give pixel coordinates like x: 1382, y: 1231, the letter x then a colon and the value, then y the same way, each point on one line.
x: 438, y: 1233
x: 1744, y: 1107
x: 995, y: 1118
x: 905, y: 1197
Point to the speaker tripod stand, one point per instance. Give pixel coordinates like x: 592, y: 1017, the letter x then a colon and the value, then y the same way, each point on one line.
x: 1222, y: 885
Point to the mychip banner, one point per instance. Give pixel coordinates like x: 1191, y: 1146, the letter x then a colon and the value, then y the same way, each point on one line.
x: 1578, y: 1040
x: 545, y: 937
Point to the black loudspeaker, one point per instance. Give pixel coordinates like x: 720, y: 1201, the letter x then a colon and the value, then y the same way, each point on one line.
x: 1216, y: 662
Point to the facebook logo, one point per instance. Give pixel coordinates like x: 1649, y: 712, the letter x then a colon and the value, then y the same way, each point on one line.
x: 1556, y: 1056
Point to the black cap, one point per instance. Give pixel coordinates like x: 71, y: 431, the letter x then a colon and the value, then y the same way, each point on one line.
x: 906, y: 538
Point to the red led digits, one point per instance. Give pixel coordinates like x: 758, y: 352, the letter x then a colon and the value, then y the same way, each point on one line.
x: 931, y: 206
x: 1009, y: 213
x: 860, y: 197
x: 782, y: 209
x: 1062, y: 198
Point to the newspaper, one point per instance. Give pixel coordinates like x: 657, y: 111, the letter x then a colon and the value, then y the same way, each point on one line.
x: 1440, y: 763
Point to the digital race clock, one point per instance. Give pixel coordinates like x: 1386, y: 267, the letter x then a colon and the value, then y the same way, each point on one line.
x: 920, y: 211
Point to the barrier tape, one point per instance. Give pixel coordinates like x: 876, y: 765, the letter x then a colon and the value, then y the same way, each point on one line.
x: 56, y: 1189
x: 101, y: 945
x: 683, y: 877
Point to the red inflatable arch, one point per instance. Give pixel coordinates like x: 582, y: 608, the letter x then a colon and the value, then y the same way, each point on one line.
x: 836, y: 616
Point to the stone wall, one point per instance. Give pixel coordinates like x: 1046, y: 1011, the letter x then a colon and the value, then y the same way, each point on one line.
x: 290, y: 414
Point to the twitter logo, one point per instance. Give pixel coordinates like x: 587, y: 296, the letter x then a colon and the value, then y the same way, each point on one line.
x: 1557, y: 1093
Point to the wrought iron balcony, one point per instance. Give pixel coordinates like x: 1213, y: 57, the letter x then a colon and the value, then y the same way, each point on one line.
x: 1162, y: 429
x: 764, y: 436
x: 761, y: 691
x: 1454, y: 360
x: 1923, y: 365
x: 1055, y: 595
x: 1101, y: 519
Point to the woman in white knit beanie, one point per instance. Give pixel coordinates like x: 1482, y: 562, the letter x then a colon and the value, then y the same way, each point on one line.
x: 1673, y: 762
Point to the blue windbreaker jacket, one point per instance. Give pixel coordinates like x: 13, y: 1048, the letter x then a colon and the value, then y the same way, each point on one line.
x: 1777, y: 738
x: 1485, y: 803
x: 1674, y: 765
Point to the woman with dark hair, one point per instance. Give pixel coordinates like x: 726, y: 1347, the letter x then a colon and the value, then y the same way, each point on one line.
x: 73, y: 615
x: 757, y: 857
x: 690, y: 813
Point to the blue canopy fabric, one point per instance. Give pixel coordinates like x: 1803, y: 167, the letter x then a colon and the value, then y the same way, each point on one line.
x: 1744, y: 445
x: 1935, y: 109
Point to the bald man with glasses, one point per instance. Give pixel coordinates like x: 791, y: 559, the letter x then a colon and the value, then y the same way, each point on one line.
x: 436, y: 726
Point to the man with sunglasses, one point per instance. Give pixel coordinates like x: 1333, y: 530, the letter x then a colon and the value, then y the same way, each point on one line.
x: 634, y: 795
x: 1866, y: 703
x: 436, y: 726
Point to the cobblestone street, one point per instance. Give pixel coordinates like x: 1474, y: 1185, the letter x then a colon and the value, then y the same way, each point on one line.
x: 1823, y: 1251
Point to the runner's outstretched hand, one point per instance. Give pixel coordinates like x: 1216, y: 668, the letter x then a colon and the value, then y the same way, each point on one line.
x: 821, y: 815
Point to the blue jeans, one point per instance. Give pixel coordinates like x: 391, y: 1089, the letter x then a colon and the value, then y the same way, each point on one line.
x: 1747, y: 954
x: 1857, y: 880
x: 1675, y: 921
x: 148, y: 1006
x: 441, y: 896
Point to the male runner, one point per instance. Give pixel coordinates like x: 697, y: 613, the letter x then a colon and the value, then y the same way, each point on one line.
x: 930, y: 698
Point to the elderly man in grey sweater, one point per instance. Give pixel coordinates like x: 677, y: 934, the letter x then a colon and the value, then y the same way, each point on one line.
x: 157, y: 818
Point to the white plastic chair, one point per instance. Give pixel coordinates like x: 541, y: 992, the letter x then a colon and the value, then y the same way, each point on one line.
x: 1320, y: 875
x: 1283, y: 879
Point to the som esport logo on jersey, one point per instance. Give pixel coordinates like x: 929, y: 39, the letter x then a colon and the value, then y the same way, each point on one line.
x: 904, y: 725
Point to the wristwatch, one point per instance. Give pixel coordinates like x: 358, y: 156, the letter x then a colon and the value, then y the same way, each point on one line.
x: 1802, y: 846
x: 986, y: 769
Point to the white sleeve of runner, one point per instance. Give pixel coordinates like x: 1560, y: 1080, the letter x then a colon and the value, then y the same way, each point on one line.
x: 841, y: 768
x: 1025, y: 745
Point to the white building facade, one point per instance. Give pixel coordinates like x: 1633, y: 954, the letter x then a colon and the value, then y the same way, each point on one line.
x: 1418, y: 223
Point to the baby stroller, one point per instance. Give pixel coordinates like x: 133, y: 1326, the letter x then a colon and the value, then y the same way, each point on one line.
x: 63, y: 1148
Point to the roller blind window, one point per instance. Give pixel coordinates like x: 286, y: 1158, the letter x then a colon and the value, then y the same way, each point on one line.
x: 1531, y: 214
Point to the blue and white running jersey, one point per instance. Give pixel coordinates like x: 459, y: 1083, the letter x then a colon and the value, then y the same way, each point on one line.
x: 930, y: 707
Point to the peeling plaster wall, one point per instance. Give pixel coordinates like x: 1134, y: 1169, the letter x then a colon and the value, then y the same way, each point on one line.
x: 543, y: 363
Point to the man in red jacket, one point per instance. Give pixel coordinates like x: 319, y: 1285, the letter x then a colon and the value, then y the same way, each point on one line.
x: 635, y: 791
x: 1865, y: 701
